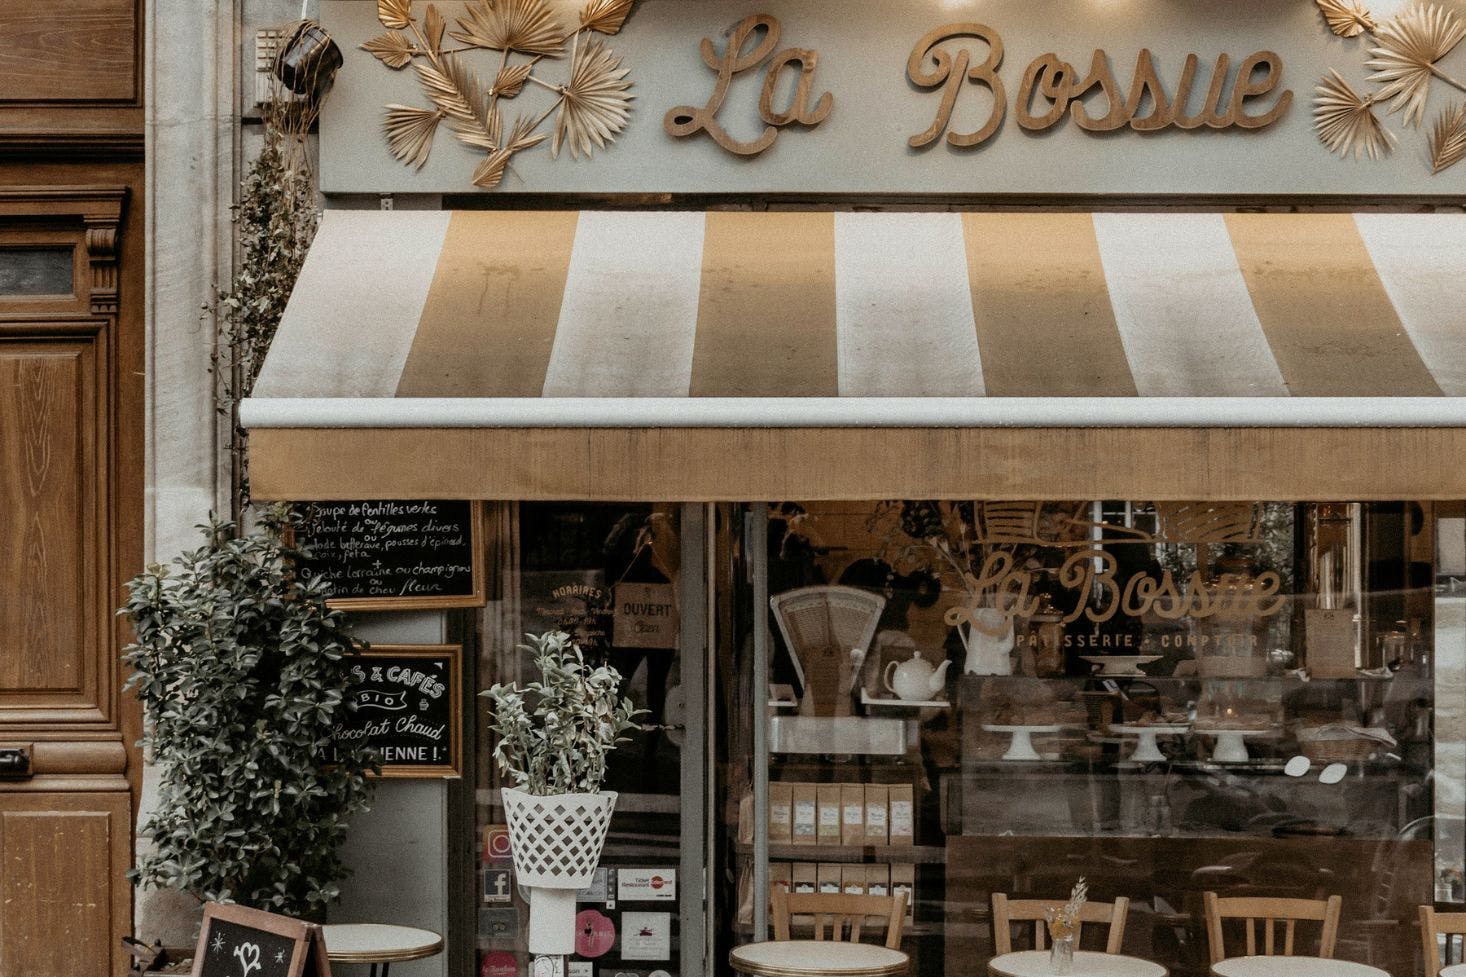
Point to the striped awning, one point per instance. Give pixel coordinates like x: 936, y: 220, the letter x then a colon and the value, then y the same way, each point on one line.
x: 678, y: 355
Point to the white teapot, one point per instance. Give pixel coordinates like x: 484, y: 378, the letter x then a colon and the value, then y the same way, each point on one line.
x: 915, y: 680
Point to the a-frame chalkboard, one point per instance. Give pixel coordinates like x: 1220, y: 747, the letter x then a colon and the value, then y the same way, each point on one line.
x: 236, y: 941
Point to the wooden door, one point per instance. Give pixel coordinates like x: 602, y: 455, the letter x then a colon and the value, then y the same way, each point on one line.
x: 66, y: 473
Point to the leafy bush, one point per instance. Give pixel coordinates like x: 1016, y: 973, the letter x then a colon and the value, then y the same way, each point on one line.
x: 554, y: 736
x: 243, y: 674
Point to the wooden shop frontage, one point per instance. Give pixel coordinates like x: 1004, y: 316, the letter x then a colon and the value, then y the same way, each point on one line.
x: 991, y: 465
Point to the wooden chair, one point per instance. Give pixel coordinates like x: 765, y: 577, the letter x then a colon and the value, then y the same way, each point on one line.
x: 1270, y: 912
x: 842, y: 912
x: 1433, y: 926
x: 1008, y: 911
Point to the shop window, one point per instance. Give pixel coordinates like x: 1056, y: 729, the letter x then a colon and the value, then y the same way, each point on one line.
x: 1166, y: 699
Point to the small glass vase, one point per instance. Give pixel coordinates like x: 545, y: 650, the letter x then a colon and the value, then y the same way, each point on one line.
x: 1061, y: 955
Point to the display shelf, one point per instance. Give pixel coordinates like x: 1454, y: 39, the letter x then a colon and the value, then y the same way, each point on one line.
x: 855, y: 854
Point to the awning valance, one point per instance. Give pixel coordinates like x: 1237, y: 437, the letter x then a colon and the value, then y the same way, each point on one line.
x: 676, y: 355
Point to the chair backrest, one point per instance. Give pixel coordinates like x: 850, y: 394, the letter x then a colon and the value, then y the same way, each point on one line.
x: 1270, y: 912
x: 1433, y: 926
x: 1007, y: 911
x: 841, y: 914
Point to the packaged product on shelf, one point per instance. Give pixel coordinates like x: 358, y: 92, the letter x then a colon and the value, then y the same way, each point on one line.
x: 903, y: 879
x: 877, y: 799
x: 827, y: 798
x: 781, y: 814
x: 745, y: 819
x: 805, y: 876
x: 852, y: 814
x: 852, y: 879
x: 878, y: 880
x: 903, y: 815
x: 780, y: 876
x: 803, y: 803
x: 828, y: 876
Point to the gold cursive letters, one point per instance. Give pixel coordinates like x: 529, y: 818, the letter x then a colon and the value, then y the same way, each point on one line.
x: 943, y: 70
x: 738, y: 57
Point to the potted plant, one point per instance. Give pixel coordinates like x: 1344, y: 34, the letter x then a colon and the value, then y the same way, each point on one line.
x: 244, y: 676
x: 554, y: 737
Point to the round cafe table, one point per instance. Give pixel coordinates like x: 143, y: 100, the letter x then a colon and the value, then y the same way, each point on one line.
x: 817, y: 958
x: 379, y: 944
x: 1454, y: 970
x: 1293, y: 967
x: 1087, y: 963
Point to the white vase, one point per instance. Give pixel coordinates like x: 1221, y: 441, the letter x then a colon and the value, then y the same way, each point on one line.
x: 988, y: 639
x: 556, y: 842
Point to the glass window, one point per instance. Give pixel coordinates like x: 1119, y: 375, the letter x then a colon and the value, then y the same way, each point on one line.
x: 1166, y: 699
x: 35, y: 271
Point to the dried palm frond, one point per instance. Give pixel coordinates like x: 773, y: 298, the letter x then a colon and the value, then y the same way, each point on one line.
x: 410, y: 132
x: 510, y: 80
x: 523, y: 135
x: 456, y: 91
x: 490, y: 173
x: 1347, y: 18
x: 594, y: 106
x: 396, y: 14
x: 432, y: 29
x: 393, y: 49
x: 1409, y: 47
x: 527, y: 26
x: 1448, y: 138
x: 608, y: 16
x: 1346, y: 123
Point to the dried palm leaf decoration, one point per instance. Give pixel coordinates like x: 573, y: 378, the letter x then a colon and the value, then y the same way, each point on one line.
x: 1448, y: 138
x: 595, y: 105
x: 1346, y: 122
x: 605, y: 16
x: 1346, y: 18
x: 590, y: 109
x: 1405, y: 60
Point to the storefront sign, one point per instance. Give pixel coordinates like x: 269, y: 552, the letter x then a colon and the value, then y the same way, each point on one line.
x: 498, y: 885
x: 240, y: 942
x: 595, y: 934
x: 646, y: 884
x: 396, y: 554
x: 1003, y: 584
x: 407, y: 709
x: 1207, y: 100
x: 646, y: 616
x: 646, y: 936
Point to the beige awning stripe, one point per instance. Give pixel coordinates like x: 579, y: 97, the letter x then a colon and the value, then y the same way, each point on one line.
x: 1332, y: 328
x: 1045, y: 325
x: 766, y: 313
x: 488, y: 325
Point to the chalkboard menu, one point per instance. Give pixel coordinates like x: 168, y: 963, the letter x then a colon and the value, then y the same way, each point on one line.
x: 240, y: 942
x: 396, y: 554
x: 408, y: 709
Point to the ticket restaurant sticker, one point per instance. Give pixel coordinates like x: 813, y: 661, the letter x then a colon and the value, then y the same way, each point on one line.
x: 646, y: 884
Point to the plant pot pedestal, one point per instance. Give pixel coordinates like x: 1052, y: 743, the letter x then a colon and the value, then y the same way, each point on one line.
x: 556, y: 842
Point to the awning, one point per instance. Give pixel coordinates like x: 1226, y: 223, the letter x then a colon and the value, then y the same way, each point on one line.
x: 735, y: 355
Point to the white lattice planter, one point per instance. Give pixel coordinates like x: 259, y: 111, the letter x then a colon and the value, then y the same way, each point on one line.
x: 556, y: 842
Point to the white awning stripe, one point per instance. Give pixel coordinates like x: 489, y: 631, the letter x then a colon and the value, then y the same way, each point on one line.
x: 1421, y: 259
x: 903, y: 307
x: 629, y: 316
x: 1183, y: 308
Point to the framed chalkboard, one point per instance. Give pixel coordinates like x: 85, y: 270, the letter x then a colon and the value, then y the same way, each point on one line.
x: 387, y: 555
x: 408, y: 709
x: 239, y: 942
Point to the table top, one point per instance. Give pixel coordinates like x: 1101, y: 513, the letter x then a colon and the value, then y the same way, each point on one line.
x: 379, y: 943
x: 1454, y: 970
x: 825, y: 958
x: 1293, y: 967
x: 1087, y: 963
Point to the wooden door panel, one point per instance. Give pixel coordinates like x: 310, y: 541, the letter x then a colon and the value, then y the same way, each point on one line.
x: 50, y: 625
x: 62, y: 859
x: 80, y: 51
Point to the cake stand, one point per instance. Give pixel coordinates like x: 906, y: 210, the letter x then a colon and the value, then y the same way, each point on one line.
x: 1147, y: 750
x: 1231, y: 744
x: 1021, y: 745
